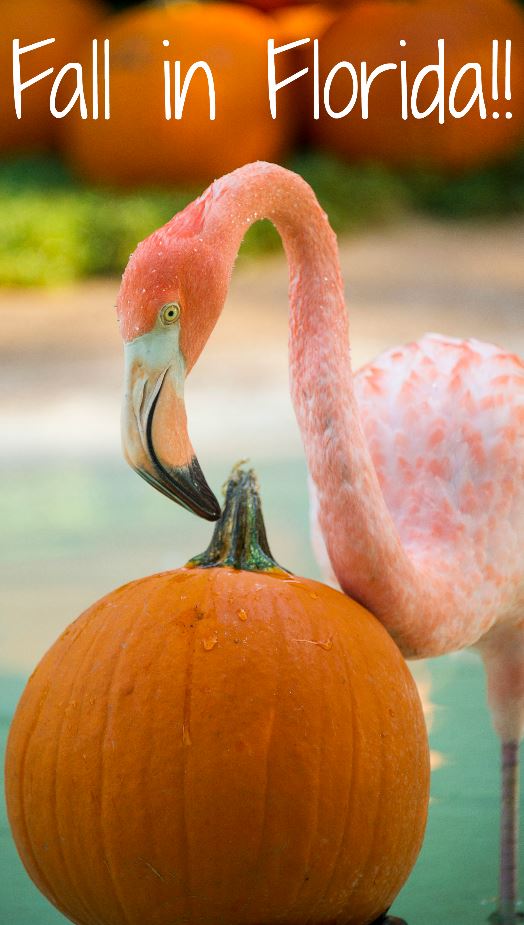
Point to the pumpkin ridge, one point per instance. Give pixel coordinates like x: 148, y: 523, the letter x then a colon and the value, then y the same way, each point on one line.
x: 320, y: 764
x: 281, y: 608
x: 305, y: 610
x: 269, y: 745
x: 399, y: 844
x: 59, y: 732
x: 377, y: 806
x: 186, y: 713
x: 21, y: 777
x: 166, y: 587
x: 146, y: 619
x: 419, y: 719
x: 397, y: 848
x: 113, y: 879
x: 343, y: 837
x: 87, y: 654
x: 377, y: 814
x: 28, y: 839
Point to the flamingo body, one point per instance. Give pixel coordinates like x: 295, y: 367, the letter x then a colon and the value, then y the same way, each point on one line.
x: 416, y: 462
x: 444, y: 422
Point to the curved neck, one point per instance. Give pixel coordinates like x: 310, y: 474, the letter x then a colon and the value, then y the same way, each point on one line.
x: 362, y: 542
x: 319, y: 339
x: 266, y: 191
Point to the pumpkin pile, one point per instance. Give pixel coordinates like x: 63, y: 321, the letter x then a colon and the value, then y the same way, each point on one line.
x: 371, y: 31
x: 224, y: 743
x: 138, y: 144
x: 31, y: 21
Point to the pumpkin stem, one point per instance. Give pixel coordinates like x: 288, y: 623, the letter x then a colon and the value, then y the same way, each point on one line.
x: 239, y: 540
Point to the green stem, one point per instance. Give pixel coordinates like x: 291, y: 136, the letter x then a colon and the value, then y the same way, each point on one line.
x: 239, y: 540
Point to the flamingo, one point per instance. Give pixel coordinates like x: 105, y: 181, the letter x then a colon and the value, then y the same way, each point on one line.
x: 416, y: 462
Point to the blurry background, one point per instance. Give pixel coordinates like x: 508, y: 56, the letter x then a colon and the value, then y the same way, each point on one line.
x: 430, y: 220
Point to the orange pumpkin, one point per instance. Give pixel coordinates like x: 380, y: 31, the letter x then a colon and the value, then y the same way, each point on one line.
x: 271, y: 6
x: 307, y: 20
x: 372, y: 30
x: 138, y: 144
x: 31, y: 21
x: 224, y: 743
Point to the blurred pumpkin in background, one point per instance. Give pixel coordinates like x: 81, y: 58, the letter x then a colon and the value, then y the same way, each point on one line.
x: 270, y: 6
x: 138, y: 144
x: 69, y: 22
x: 371, y: 31
x: 307, y: 21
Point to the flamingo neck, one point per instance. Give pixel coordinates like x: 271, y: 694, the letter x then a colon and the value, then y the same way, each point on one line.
x: 362, y: 542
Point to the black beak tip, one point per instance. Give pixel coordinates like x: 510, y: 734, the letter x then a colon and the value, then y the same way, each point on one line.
x: 186, y: 485
x: 214, y: 512
x: 197, y: 492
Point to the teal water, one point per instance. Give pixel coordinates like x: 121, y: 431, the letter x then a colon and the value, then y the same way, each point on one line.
x: 74, y: 532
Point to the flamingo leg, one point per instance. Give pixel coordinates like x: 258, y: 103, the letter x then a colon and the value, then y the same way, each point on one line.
x: 509, y: 824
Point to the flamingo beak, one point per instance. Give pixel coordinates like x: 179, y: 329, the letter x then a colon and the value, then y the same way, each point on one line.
x: 154, y: 427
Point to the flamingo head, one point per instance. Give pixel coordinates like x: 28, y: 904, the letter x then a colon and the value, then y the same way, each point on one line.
x: 172, y: 292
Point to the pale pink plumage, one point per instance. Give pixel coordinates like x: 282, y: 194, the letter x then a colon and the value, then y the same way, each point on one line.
x: 444, y: 422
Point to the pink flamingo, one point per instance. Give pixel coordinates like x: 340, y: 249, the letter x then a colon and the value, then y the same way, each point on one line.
x: 416, y: 463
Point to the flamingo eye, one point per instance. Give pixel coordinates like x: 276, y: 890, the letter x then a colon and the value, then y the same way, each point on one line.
x: 170, y: 313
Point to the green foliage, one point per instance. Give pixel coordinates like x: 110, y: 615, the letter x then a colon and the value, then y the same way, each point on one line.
x: 352, y: 196
x: 41, y: 243
x: 55, y: 230
x: 492, y: 192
